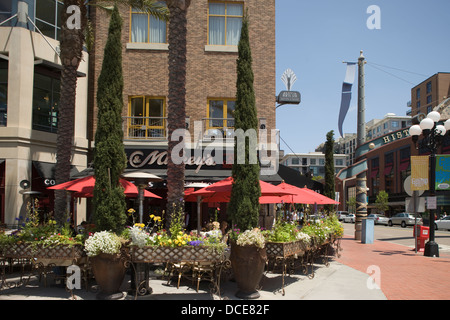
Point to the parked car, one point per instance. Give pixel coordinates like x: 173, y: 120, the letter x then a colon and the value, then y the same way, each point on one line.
x: 404, y: 219
x: 378, y: 218
x: 443, y: 223
x: 349, y: 218
x: 341, y: 215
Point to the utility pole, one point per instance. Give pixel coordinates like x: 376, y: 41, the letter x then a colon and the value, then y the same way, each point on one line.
x: 361, y: 179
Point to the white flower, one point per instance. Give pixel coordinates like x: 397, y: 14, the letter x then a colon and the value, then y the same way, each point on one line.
x: 303, y: 237
x: 251, y: 237
x: 138, y: 236
x: 102, y: 242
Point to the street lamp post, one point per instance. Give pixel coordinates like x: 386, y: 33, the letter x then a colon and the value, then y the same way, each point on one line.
x: 432, y: 137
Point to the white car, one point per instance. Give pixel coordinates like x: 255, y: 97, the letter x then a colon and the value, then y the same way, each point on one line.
x: 443, y: 223
x: 404, y: 219
x: 378, y: 218
x: 349, y: 218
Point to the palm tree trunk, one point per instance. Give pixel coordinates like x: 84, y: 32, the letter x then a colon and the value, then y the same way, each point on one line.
x: 177, y: 100
x: 71, y: 54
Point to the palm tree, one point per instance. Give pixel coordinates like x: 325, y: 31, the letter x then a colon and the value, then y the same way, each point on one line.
x: 177, y: 100
x: 71, y: 45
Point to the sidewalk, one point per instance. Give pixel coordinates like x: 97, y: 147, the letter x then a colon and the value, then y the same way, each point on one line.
x: 399, y: 272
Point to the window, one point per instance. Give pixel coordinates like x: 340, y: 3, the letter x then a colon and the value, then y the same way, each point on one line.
x: 46, y: 94
x: 224, y: 23
x: 321, y: 162
x: 3, y: 92
x: 339, y: 162
x: 146, y: 118
x: 5, y: 11
x: 418, y: 93
x: 394, y: 124
x: 220, y: 113
x: 312, y: 161
x: 429, y: 99
x: 146, y: 28
x: 428, y: 87
x: 295, y: 161
x: 48, y: 17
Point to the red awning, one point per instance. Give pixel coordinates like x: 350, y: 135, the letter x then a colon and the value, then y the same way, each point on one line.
x: 387, y: 170
x: 403, y: 166
x: 374, y: 173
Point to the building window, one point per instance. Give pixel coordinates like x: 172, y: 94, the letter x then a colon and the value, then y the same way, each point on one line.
x: 321, y: 162
x: 394, y: 124
x: 418, y: 104
x: 312, y: 162
x: 295, y: 161
x: 429, y: 99
x: 146, y: 28
x: 220, y: 113
x: 418, y: 93
x: 429, y: 87
x: 48, y: 18
x: 429, y: 109
x: 146, y: 118
x: 3, y: 92
x: 46, y: 93
x: 6, y: 12
x: 224, y: 23
x: 339, y: 162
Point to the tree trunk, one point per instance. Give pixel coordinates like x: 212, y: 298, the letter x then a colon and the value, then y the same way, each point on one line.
x: 177, y: 101
x: 71, y: 53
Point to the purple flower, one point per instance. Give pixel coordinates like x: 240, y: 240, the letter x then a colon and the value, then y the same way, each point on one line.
x: 195, y: 243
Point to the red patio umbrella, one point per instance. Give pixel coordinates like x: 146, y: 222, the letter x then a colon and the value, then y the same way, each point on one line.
x: 221, y: 191
x: 299, y: 195
x: 84, y: 188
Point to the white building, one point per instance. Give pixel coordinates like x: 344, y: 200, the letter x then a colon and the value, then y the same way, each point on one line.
x: 313, y: 162
x: 376, y: 128
x: 29, y: 97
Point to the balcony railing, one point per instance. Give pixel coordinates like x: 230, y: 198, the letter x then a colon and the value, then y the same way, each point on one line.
x: 145, y: 128
x: 218, y: 127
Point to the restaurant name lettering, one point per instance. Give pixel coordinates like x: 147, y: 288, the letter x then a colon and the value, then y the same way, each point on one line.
x: 159, y: 158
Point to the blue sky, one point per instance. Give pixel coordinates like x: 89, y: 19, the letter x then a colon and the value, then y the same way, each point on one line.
x: 313, y: 38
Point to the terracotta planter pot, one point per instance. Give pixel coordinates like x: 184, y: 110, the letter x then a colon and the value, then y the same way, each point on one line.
x: 248, y: 264
x: 109, y: 271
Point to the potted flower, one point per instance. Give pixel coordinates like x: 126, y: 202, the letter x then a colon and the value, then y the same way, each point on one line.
x: 248, y: 259
x: 106, y: 251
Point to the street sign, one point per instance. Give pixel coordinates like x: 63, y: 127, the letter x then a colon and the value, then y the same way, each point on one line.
x: 409, y: 205
x: 431, y: 202
x: 289, y: 97
x: 408, y: 189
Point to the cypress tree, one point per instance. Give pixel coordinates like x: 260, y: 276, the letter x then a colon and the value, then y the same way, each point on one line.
x: 245, y: 193
x: 109, y: 153
x: 329, y: 168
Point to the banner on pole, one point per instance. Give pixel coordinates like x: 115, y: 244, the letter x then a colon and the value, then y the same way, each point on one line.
x: 443, y: 172
x: 419, y: 173
x: 346, y: 94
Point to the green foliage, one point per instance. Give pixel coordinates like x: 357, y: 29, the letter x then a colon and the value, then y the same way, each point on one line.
x: 321, y: 230
x: 244, y: 203
x: 109, y: 153
x: 282, y: 232
x: 381, y: 202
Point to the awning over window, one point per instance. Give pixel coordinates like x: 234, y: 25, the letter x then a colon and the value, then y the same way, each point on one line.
x: 46, y: 170
x: 388, y: 170
x: 373, y: 173
x: 403, y: 166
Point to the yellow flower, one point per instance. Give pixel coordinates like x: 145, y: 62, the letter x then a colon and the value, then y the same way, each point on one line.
x: 151, y: 216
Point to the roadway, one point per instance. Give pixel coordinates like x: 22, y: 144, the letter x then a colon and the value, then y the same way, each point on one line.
x: 403, y: 236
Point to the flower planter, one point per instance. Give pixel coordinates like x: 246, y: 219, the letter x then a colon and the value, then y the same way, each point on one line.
x: 153, y: 254
x: 109, y: 272
x: 28, y: 251
x: 248, y: 263
x: 284, y: 249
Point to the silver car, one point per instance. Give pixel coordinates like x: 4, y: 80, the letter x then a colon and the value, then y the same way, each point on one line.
x: 404, y: 219
x: 443, y: 223
x: 378, y: 219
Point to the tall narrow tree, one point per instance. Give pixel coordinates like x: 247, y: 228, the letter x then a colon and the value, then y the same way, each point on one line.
x: 245, y: 192
x: 329, y: 168
x: 177, y: 102
x: 71, y: 45
x: 109, y: 153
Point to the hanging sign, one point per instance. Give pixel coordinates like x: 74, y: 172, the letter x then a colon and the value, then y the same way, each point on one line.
x: 419, y: 173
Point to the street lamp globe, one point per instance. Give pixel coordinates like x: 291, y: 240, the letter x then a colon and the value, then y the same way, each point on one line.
x: 447, y: 125
x: 415, y: 130
x: 434, y: 115
x: 440, y: 129
x: 426, y: 124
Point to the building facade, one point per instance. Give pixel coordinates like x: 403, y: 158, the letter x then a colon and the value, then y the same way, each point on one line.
x: 428, y: 94
x: 313, y: 162
x: 29, y: 97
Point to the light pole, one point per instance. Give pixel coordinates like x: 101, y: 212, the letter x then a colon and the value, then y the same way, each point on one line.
x: 432, y: 138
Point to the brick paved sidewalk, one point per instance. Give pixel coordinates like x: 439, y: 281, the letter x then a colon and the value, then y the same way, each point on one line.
x: 403, y: 274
